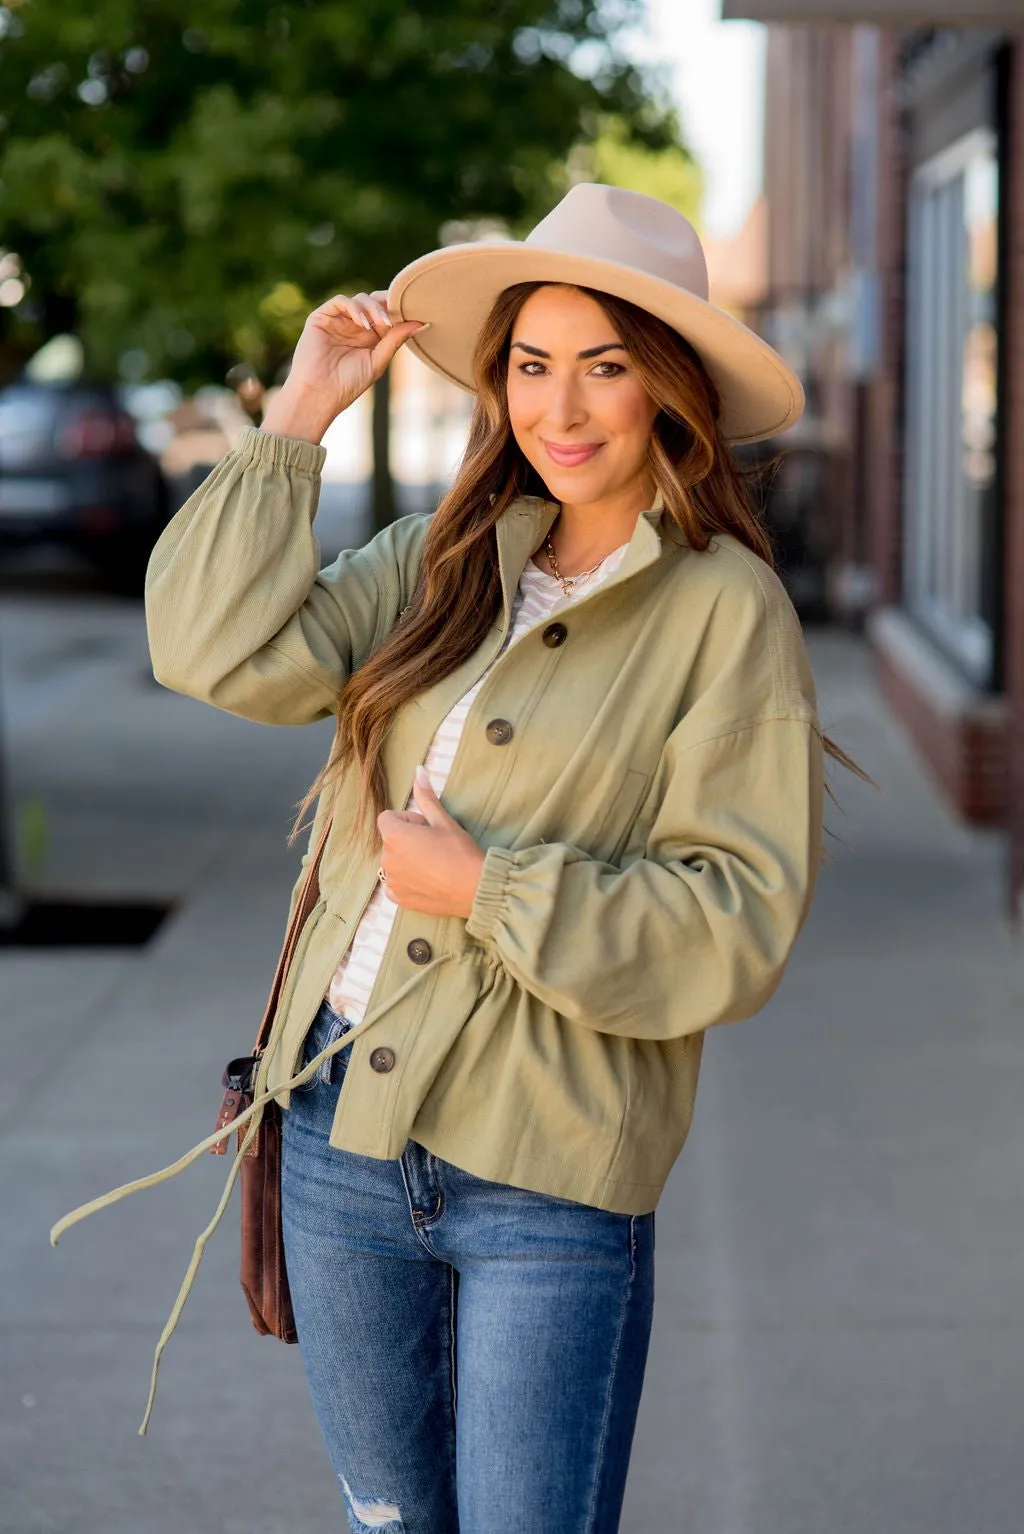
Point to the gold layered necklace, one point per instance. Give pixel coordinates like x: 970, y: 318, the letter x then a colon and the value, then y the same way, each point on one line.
x: 568, y: 582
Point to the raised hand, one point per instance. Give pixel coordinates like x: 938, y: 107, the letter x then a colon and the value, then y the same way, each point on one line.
x: 344, y: 347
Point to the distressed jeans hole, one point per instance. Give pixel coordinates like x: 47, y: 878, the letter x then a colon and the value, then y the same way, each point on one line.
x: 372, y: 1512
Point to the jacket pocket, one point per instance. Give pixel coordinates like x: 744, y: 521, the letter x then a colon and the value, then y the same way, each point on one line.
x: 620, y: 816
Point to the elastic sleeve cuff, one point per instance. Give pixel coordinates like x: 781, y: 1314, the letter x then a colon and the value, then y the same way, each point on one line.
x: 270, y: 450
x: 491, y: 893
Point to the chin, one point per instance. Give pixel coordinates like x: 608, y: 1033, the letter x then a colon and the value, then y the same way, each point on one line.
x: 574, y: 484
x: 576, y: 489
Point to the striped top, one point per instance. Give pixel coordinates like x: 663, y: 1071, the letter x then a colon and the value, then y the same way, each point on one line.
x: 538, y: 595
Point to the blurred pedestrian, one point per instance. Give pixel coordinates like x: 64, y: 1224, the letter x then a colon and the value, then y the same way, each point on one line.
x: 248, y: 390
x: 571, y: 818
x: 198, y: 443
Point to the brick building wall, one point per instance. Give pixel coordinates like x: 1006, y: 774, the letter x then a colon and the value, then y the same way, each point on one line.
x: 962, y: 732
x: 1013, y: 546
x: 883, y: 485
x: 807, y: 131
x: 972, y: 739
x: 807, y: 108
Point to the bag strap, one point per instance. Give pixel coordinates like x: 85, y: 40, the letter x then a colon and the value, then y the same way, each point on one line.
x: 308, y: 896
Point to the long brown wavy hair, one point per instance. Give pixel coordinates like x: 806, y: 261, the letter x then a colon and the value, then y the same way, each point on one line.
x: 457, y: 596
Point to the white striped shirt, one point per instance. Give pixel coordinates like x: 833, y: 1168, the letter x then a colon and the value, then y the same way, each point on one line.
x: 538, y: 595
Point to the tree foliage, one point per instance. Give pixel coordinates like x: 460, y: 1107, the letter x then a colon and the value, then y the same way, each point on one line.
x: 187, y: 180
x: 670, y: 173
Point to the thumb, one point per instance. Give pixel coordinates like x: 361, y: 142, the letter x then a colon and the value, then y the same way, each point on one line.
x: 427, y: 802
x: 392, y: 339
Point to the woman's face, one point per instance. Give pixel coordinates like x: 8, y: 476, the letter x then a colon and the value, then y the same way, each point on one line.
x: 572, y: 385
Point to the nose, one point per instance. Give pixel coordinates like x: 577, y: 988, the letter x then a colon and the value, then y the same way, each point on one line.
x: 565, y: 404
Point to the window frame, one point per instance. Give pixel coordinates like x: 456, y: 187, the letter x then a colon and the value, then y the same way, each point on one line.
x: 948, y: 543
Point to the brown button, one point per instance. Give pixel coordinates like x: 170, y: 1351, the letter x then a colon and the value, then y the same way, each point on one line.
x: 499, y: 732
x: 419, y: 950
x: 382, y: 1060
x: 554, y: 635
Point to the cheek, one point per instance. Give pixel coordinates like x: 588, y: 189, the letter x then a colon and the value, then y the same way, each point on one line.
x: 525, y: 406
x: 625, y: 412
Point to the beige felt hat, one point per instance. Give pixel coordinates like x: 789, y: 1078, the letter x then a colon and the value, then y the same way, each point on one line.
x: 620, y: 242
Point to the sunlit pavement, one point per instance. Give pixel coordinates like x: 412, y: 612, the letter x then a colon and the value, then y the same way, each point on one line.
x: 837, y: 1345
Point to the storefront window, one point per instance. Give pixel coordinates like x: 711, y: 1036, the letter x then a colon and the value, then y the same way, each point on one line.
x: 952, y: 400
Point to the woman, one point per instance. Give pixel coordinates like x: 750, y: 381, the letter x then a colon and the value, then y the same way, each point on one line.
x: 575, y: 802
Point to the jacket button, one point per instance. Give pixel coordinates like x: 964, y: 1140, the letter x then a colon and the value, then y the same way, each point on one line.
x: 419, y: 950
x: 554, y: 635
x: 499, y: 732
x: 382, y: 1060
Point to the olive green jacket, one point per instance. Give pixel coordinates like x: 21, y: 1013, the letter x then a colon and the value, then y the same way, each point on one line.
x: 651, y: 813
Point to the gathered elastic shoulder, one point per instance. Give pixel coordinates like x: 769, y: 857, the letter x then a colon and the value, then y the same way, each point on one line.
x: 393, y: 558
x: 748, y: 653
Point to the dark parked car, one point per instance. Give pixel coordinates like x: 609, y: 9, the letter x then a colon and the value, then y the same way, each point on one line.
x: 72, y: 471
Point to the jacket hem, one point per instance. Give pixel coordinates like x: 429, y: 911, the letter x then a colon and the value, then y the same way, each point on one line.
x: 541, y: 1174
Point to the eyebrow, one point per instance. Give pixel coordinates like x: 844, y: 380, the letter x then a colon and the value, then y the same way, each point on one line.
x: 591, y: 351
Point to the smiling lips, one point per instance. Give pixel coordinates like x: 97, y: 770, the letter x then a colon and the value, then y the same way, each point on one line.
x: 569, y: 457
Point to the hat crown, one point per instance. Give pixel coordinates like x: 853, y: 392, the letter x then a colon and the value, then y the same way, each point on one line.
x: 609, y: 223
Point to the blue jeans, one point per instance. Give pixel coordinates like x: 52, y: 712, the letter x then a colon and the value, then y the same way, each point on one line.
x: 484, y: 1372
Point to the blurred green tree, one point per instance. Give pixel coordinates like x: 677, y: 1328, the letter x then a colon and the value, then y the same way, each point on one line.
x: 617, y: 158
x: 182, y: 182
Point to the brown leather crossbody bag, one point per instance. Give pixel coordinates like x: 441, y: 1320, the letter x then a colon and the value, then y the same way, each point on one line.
x: 263, y: 1274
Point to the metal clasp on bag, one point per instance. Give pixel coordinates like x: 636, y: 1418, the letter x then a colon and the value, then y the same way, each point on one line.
x: 237, y: 1082
x: 239, y: 1073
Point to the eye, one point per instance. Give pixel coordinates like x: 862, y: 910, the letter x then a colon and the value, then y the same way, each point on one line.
x: 616, y: 368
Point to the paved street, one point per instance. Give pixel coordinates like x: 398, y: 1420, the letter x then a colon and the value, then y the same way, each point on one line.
x: 838, y: 1346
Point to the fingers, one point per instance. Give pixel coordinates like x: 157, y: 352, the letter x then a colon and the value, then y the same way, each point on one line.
x: 350, y: 312
x: 389, y: 343
x: 387, y: 821
x: 376, y: 310
x: 364, y: 309
x: 370, y: 312
x: 426, y: 800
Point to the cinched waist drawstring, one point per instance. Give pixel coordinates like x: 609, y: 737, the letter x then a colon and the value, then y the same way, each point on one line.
x: 254, y: 1114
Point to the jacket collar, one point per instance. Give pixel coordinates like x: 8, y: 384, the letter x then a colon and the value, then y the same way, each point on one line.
x: 523, y: 525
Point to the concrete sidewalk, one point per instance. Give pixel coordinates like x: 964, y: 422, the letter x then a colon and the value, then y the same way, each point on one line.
x: 837, y: 1345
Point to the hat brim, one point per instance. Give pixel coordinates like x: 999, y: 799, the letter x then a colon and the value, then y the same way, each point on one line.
x: 455, y: 287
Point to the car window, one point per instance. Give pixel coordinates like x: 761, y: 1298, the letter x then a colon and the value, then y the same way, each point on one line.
x: 26, y: 428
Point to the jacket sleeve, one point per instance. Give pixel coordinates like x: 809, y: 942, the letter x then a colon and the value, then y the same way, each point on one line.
x: 698, y: 930
x: 238, y: 612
